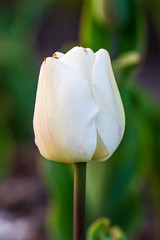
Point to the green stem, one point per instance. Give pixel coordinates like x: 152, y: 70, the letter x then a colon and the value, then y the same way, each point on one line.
x: 79, y: 201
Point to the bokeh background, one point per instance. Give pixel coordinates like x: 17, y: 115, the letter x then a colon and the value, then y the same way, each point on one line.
x: 36, y: 194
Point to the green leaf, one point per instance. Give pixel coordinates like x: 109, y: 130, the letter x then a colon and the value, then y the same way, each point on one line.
x: 101, y: 229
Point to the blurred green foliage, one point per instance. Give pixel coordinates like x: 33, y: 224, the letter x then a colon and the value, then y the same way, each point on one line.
x: 101, y: 229
x: 120, y: 27
x: 18, y: 21
x: 115, y: 25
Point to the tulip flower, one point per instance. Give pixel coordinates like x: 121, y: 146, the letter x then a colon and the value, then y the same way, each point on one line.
x: 79, y: 114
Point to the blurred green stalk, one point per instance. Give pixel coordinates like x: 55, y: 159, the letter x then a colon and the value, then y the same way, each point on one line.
x: 79, y: 231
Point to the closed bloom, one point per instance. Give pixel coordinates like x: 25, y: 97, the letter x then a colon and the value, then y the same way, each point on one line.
x: 79, y: 114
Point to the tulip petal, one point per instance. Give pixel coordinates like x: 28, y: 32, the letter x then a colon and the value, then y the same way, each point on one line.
x: 65, y: 113
x: 80, y: 59
x: 101, y: 152
x: 110, y: 120
x: 91, y: 55
x: 58, y: 55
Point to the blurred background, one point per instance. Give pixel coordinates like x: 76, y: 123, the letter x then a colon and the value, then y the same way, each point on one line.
x: 36, y: 194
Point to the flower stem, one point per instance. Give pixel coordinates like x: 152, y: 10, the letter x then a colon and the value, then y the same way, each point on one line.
x: 79, y: 201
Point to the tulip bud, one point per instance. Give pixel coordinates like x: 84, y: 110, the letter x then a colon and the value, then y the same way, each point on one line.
x: 79, y: 114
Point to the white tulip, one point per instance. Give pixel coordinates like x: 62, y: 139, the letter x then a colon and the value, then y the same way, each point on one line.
x: 79, y: 114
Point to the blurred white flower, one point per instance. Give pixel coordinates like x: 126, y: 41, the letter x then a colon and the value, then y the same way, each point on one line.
x: 79, y: 114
